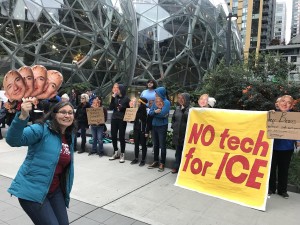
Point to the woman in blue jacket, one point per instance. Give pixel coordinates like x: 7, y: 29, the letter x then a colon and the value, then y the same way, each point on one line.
x: 160, y: 112
x: 44, y: 180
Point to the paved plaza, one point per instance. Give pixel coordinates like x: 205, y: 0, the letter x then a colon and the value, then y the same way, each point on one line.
x: 108, y: 192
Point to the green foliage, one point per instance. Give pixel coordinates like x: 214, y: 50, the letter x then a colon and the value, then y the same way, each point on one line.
x: 253, y: 86
x: 169, y: 140
x: 225, y: 84
x: 294, y: 171
x: 266, y: 67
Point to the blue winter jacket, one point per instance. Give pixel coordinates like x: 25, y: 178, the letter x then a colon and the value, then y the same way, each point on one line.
x: 35, y: 175
x: 160, y: 119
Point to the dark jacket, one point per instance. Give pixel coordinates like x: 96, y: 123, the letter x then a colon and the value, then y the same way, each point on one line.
x: 81, y: 115
x: 119, y: 104
x: 179, y: 121
x: 140, y: 119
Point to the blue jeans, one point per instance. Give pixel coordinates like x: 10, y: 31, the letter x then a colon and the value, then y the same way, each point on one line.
x: 52, y: 212
x: 159, y: 136
x: 97, y: 133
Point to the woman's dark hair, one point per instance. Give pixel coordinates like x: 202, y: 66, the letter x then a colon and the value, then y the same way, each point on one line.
x: 154, y: 83
x: 100, y: 98
x: 54, y: 125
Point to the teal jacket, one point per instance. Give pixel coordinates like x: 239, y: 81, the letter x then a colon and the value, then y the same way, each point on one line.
x: 162, y: 118
x: 35, y: 175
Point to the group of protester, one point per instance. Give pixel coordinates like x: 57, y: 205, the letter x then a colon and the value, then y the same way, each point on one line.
x: 45, y: 194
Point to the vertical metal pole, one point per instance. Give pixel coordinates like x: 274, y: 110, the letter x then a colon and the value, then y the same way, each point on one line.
x: 228, y: 40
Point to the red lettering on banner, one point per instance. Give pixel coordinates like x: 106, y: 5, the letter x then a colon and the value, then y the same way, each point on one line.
x: 223, y: 136
x: 245, y: 144
x: 207, y: 129
x: 228, y: 163
x: 235, y: 159
x: 188, y: 157
x: 259, y: 143
x: 196, y: 164
x: 195, y: 133
x: 202, y: 131
x: 255, y: 173
x: 222, y: 165
x: 196, y: 169
x: 233, y: 143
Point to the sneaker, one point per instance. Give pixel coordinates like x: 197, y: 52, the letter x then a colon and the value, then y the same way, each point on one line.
x: 81, y: 151
x: 174, y: 171
x: 161, y: 167
x: 135, y: 161
x: 122, y: 158
x: 91, y: 153
x: 284, y: 195
x: 115, y: 156
x: 153, y: 165
x: 142, y: 163
x: 101, y: 154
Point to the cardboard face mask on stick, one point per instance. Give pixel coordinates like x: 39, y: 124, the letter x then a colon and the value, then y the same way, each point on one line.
x: 54, y: 81
x: 40, y: 80
x: 27, y: 75
x: 14, y: 85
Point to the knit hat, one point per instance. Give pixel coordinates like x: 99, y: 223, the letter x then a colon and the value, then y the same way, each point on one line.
x: 143, y: 100
x: 211, y: 102
x: 66, y: 96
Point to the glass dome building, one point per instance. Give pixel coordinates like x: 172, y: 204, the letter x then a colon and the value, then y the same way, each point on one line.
x: 108, y: 41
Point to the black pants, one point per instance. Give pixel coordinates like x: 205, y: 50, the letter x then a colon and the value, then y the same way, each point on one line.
x: 280, y: 169
x: 178, y: 155
x: 118, y: 125
x: 82, y: 127
x: 139, y: 138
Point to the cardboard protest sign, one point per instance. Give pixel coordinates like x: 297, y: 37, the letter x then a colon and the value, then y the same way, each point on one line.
x: 227, y: 155
x: 130, y: 114
x: 284, y: 125
x: 95, y: 115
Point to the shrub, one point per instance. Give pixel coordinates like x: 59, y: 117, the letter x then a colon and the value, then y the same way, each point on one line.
x: 294, y: 171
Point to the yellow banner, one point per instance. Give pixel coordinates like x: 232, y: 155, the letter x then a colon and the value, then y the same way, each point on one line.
x: 227, y: 155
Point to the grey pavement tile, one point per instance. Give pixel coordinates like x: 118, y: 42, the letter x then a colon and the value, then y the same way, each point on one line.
x: 82, y: 208
x: 139, y: 223
x: 23, y: 219
x: 100, y: 215
x: 85, y: 221
x: 9, y: 212
x: 73, y: 216
x: 4, y: 182
x: 120, y: 220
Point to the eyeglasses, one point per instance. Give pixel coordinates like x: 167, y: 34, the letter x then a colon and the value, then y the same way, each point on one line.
x: 70, y: 113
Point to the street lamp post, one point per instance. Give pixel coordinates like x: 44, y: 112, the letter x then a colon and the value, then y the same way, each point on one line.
x: 228, y: 38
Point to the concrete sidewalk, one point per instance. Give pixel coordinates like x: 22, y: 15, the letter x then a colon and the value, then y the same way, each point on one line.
x: 109, y: 192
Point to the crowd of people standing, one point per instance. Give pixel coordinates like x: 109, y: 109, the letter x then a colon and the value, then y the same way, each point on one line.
x: 52, y: 184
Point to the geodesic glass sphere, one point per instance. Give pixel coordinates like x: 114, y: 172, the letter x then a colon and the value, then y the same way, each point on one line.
x: 86, y: 40
x: 179, y: 40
